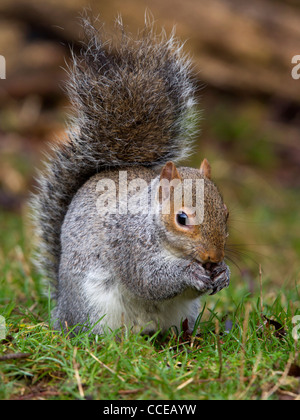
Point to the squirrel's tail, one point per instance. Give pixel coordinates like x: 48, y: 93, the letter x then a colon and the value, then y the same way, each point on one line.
x: 134, y: 104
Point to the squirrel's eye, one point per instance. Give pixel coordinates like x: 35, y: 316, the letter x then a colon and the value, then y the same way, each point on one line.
x: 182, y: 218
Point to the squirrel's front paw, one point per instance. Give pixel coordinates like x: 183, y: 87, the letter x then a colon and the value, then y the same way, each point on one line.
x: 219, y: 275
x: 209, y: 278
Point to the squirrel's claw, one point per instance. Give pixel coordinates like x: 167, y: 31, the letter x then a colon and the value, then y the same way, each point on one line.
x: 220, y: 278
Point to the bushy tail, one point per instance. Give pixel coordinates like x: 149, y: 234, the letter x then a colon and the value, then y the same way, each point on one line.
x: 134, y: 106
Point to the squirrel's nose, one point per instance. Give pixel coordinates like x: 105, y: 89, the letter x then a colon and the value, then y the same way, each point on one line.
x: 212, y: 256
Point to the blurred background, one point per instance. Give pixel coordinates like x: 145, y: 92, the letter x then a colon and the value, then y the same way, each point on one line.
x: 242, y: 53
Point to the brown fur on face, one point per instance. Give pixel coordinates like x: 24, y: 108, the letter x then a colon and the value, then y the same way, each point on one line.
x: 206, y: 241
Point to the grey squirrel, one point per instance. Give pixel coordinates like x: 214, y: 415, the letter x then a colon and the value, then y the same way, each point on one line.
x: 135, y: 115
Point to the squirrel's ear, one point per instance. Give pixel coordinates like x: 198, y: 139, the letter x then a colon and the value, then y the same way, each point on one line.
x: 205, y: 168
x: 168, y: 173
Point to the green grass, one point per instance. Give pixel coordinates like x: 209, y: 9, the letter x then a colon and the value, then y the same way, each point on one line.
x: 246, y: 359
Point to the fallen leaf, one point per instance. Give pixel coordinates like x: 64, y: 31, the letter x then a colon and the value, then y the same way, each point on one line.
x: 294, y: 371
x: 279, y: 330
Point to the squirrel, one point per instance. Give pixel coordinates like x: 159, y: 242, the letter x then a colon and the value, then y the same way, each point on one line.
x: 135, y: 115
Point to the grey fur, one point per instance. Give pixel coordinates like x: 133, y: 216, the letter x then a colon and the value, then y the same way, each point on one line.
x: 120, y: 266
